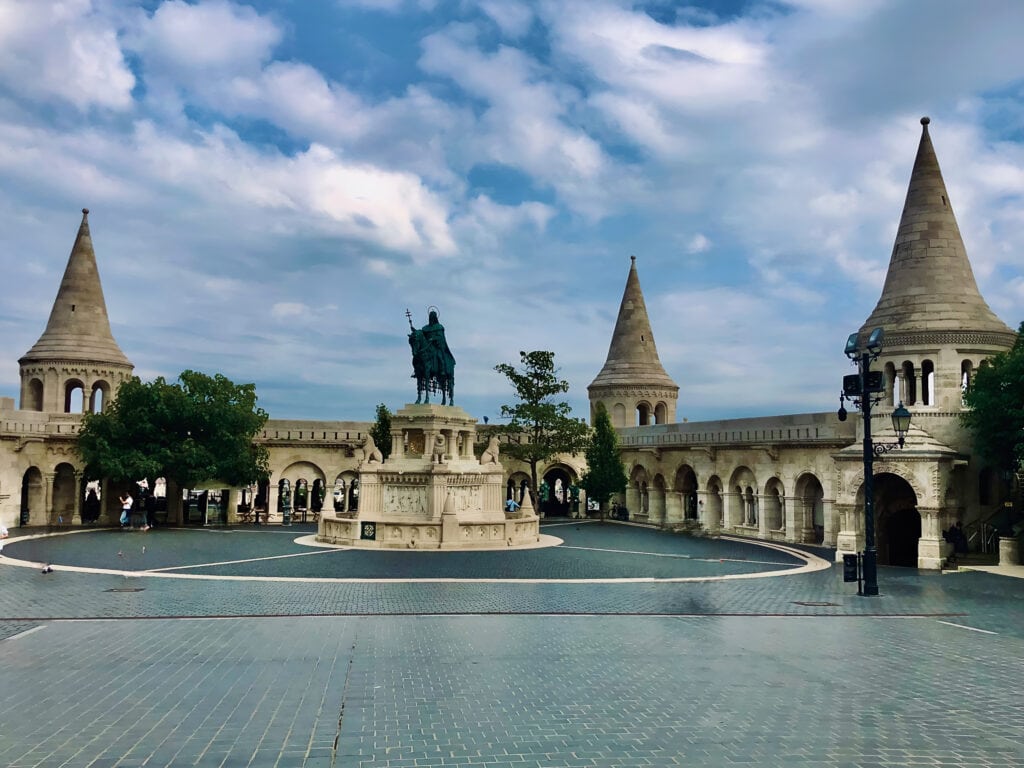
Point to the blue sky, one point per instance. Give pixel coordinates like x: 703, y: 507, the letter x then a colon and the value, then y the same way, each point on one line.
x: 272, y: 184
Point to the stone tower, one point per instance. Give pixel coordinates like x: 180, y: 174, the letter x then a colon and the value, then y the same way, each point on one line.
x: 633, y: 384
x: 938, y: 328
x: 77, y: 350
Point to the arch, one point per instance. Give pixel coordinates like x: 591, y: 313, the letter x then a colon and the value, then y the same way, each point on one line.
x: 99, y: 397
x: 33, y: 395
x: 685, y: 484
x: 62, y: 507
x: 643, y: 414
x: 741, y: 508
x: 554, y: 499
x: 714, y: 507
x: 661, y: 413
x: 927, y: 382
x: 302, y: 469
x: 810, y: 512
x: 341, y: 490
x: 966, y: 377
x: 909, y: 394
x: 774, y: 505
x: 74, y: 396
x: 516, y: 486
x: 897, y: 521
x: 32, y: 497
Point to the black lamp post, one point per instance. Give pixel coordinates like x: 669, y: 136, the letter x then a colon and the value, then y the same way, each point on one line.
x: 864, y: 389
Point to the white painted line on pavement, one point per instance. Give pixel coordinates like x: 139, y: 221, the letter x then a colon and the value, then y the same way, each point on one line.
x: 235, y: 562
x: 964, y: 626
x: 27, y: 632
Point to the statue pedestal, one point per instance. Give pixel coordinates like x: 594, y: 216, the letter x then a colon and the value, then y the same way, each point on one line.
x: 431, y: 492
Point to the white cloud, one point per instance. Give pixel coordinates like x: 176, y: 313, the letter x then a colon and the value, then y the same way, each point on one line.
x: 698, y: 244
x: 513, y: 18
x: 207, y: 40
x: 63, y: 50
x: 283, y: 310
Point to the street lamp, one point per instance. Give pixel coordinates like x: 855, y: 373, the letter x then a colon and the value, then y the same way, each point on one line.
x: 865, y: 389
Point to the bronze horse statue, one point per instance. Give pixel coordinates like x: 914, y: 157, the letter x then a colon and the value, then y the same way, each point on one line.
x: 432, y: 362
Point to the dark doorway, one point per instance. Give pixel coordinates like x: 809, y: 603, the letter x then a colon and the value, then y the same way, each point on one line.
x: 554, y: 498
x: 898, y: 522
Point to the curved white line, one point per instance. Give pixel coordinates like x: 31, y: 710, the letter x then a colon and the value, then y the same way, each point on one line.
x: 811, y: 564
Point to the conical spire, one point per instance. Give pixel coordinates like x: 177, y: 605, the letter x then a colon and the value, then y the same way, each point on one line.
x: 78, y: 328
x: 633, y: 356
x: 930, y: 286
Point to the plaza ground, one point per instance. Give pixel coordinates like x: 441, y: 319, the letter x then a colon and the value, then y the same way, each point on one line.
x: 621, y: 647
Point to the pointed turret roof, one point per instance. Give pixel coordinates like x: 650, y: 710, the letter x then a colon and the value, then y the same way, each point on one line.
x: 633, y: 356
x: 78, y: 328
x: 930, y: 286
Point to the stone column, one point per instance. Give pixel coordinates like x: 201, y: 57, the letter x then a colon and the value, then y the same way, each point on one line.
x: 48, y: 478
x: 633, y: 500
x: 76, y: 515
x: 272, y: 498
x: 930, y: 547
x: 674, y: 512
x: 761, y: 517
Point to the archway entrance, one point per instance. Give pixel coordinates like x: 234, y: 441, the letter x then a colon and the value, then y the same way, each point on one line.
x: 31, y: 496
x: 898, y: 523
x: 554, y: 499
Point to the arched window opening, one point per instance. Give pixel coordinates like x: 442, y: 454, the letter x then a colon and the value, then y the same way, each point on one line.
x: 74, y: 397
x: 966, y: 375
x: 643, y: 414
x: 660, y: 413
x: 927, y: 383
x: 98, y: 397
x: 909, y: 384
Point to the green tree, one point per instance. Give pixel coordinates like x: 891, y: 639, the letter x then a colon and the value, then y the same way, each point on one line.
x: 539, y: 427
x: 198, y: 428
x: 996, y: 402
x: 381, y: 431
x: 605, y: 475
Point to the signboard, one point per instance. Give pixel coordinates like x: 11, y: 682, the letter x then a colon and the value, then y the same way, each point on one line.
x: 850, y: 567
x: 368, y: 531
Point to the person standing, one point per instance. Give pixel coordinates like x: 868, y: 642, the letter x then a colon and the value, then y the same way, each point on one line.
x: 126, y: 509
x: 150, y: 505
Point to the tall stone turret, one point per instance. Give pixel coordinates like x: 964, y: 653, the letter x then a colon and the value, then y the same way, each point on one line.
x: 77, y: 350
x: 937, y: 326
x: 633, y: 385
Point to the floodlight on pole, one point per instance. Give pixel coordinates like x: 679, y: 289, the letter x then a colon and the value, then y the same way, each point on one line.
x: 864, y: 389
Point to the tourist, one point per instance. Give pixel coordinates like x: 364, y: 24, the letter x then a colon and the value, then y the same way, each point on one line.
x: 126, y: 509
x: 150, y: 505
x: 92, y: 506
x: 4, y: 533
x: 511, y: 505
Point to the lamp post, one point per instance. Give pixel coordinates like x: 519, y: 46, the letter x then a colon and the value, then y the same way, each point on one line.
x: 864, y: 389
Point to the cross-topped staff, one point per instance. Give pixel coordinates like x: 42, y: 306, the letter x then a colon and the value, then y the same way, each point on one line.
x: 408, y: 316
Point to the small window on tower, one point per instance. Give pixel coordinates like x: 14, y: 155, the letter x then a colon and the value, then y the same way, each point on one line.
x: 72, y: 307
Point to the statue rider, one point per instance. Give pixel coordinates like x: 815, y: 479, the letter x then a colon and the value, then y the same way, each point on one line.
x: 433, y: 332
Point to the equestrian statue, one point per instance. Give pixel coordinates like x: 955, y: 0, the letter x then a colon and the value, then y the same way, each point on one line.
x: 433, y: 364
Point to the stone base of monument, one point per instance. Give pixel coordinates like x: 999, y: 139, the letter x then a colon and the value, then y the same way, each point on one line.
x: 432, y: 492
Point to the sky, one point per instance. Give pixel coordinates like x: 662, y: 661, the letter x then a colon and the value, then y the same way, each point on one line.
x: 273, y: 184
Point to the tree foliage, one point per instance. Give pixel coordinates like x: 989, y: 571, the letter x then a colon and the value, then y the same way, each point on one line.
x: 381, y: 430
x: 198, y: 428
x: 539, y: 426
x: 996, y: 401
x: 605, y: 475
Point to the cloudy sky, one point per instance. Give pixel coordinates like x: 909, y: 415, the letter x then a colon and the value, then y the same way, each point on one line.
x: 273, y: 183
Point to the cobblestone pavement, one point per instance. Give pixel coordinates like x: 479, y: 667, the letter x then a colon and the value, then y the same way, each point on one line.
x: 789, y: 670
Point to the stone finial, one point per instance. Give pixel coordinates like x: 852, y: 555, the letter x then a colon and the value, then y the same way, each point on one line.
x: 925, y: 121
